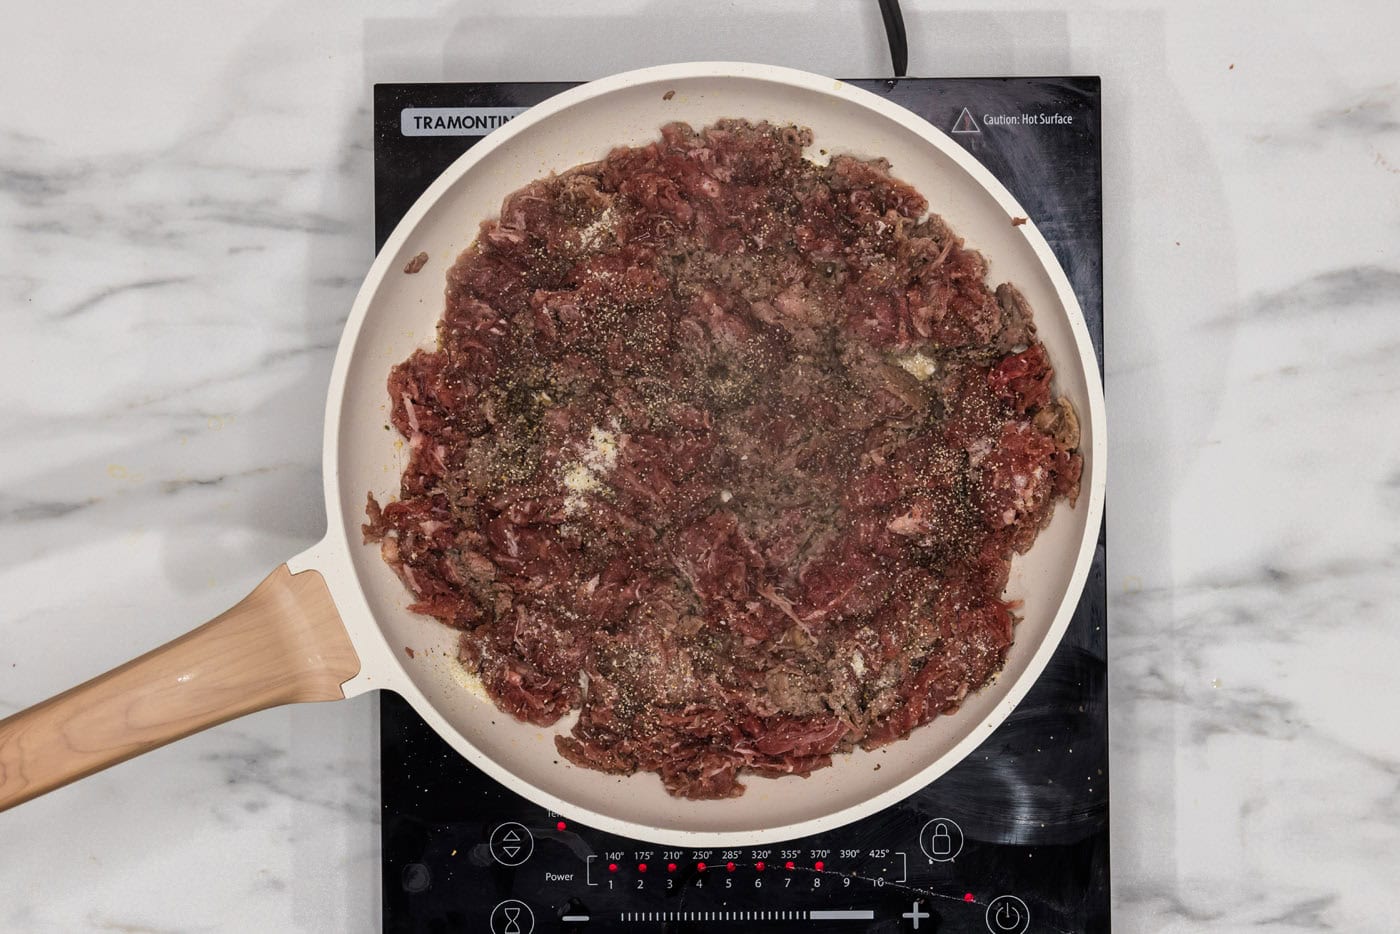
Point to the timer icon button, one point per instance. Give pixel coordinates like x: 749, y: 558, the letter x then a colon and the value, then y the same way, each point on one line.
x: 512, y: 916
x: 941, y: 840
x: 511, y: 844
x: 1007, y: 914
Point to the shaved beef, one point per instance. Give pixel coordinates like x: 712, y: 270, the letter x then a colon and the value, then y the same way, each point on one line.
x: 727, y: 451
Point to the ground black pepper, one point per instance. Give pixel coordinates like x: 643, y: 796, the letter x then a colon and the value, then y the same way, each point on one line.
x: 728, y: 449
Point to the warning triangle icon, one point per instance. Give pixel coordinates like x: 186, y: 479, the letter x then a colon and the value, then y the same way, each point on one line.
x: 965, y: 123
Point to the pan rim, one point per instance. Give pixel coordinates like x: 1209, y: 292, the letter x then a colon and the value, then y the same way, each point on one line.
x: 383, y: 669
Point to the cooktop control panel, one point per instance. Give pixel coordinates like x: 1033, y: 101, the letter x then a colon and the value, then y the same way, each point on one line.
x: 934, y: 881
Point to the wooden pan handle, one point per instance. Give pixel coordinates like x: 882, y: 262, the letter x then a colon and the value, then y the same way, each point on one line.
x: 284, y: 643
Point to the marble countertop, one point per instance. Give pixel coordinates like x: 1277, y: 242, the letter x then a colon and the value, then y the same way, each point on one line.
x: 185, y: 215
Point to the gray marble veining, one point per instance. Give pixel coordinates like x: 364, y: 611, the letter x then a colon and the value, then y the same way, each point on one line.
x: 185, y: 215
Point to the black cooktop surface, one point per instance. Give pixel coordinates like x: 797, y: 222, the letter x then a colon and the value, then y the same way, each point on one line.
x: 1013, y: 839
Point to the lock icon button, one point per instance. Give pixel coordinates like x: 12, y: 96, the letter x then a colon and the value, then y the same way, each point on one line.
x: 941, y: 840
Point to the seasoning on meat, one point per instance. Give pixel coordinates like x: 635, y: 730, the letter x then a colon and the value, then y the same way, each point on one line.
x: 730, y: 452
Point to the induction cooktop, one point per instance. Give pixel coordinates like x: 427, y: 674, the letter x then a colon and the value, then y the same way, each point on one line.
x: 1013, y: 839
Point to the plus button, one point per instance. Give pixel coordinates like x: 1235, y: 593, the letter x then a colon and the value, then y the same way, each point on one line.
x: 916, y: 914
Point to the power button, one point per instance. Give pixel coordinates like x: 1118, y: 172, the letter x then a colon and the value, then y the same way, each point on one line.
x: 1007, y: 914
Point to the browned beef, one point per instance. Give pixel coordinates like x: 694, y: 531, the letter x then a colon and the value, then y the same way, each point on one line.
x: 727, y: 450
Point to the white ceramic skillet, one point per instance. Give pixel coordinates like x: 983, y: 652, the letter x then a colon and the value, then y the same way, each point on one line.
x: 332, y: 623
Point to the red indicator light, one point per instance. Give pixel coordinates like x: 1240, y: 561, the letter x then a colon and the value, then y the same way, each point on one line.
x: 968, y: 897
x: 789, y: 865
x: 670, y: 867
x: 729, y: 866
x: 700, y: 866
x: 562, y: 826
x: 819, y: 866
x: 641, y: 867
x: 612, y: 867
x: 758, y: 865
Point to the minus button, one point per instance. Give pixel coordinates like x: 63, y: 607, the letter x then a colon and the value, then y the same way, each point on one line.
x: 574, y: 918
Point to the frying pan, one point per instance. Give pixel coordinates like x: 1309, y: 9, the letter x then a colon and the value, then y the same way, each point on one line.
x: 333, y: 623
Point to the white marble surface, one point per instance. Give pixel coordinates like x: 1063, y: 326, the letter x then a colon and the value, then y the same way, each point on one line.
x: 185, y: 205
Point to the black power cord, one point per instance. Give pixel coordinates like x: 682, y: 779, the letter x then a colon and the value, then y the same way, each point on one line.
x: 894, y: 29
